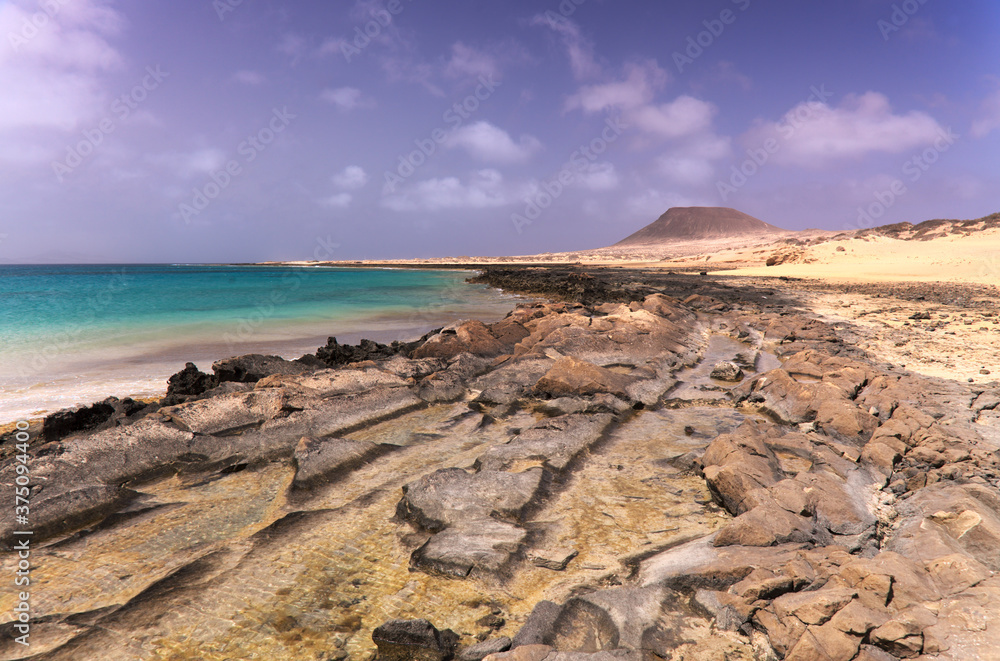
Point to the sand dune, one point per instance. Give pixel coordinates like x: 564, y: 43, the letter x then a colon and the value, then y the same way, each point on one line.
x: 954, y: 258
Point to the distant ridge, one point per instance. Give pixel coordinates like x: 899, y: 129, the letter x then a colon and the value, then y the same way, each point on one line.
x: 694, y: 223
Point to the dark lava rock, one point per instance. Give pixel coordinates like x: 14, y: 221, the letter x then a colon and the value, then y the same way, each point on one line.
x: 189, y: 381
x: 571, y: 284
x: 335, y: 354
x: 253, y: 367
x: 920, y: 315
x: 105, y: 413
x: 414, y: 640
x: 67, y: 421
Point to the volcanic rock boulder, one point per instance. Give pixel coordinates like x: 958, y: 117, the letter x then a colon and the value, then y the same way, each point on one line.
x: 473, y: 337
x: 413, y: 640
x: 335, y: 354
x: 101, y: 414
x: 189, y: 381
x: 736, y: 464
x: 254, y: 367
x: 727, y: 371
x: 572, y: 377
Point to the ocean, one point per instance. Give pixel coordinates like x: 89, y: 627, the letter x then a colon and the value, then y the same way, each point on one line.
x: 74, y: 334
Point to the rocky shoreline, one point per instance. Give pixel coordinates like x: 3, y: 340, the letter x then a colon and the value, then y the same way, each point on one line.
x: 645, y: 465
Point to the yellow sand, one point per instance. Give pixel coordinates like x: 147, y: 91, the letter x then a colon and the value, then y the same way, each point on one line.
x: 955, y: 258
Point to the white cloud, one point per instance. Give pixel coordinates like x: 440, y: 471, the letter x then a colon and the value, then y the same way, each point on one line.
x: 989, y: 116
x: 638, y: 87
x: 691, y: 162
x: 351, y: 177
x: 484, y: 189
x: 492, y: 144
x: 651, y: 203
x: 248, y: 77
x: 51, y: 62
x: 292, y: 45
x: 487, y: 61
x: 346, y: 98
x: 813, y: 133
x: 686, y: 170
x: 726, y: 72
x: 599, y: 177
x: 578, y: 48
x: 684, y: 115
x: 338, y: 201
x: 333, y: 45
x: 191, y: 164
x: 407, y: 70
x: 468, y: 61
x: 633, y: 97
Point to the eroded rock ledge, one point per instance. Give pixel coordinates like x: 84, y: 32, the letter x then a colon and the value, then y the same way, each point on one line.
x: 568, y: 483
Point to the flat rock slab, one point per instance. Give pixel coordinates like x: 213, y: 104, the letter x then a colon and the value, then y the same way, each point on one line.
x: 700, y: 564
x: 555, y: 442
x: 485, y: 545
x: 82, y: 478
x: 333, y: 382
x: 572, y: 377
x: 226, y: 414
x: 452, y: 496
x: 316, y: 458
x: 278, y: 438
x: 344, y: 412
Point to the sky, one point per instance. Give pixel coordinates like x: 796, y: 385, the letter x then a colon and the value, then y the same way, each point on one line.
x: 248, y: 130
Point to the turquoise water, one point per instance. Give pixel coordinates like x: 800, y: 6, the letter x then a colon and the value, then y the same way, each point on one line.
x: 71, y: 334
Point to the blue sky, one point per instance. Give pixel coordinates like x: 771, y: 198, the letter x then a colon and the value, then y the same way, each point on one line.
x: 229, y: 130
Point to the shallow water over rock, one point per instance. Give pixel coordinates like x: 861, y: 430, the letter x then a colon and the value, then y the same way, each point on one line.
x: 696, y: 383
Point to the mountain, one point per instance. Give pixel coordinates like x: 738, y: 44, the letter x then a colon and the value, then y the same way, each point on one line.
x: 694, y: 223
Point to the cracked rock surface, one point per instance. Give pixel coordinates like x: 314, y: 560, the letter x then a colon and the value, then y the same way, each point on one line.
x: 645, y: 466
